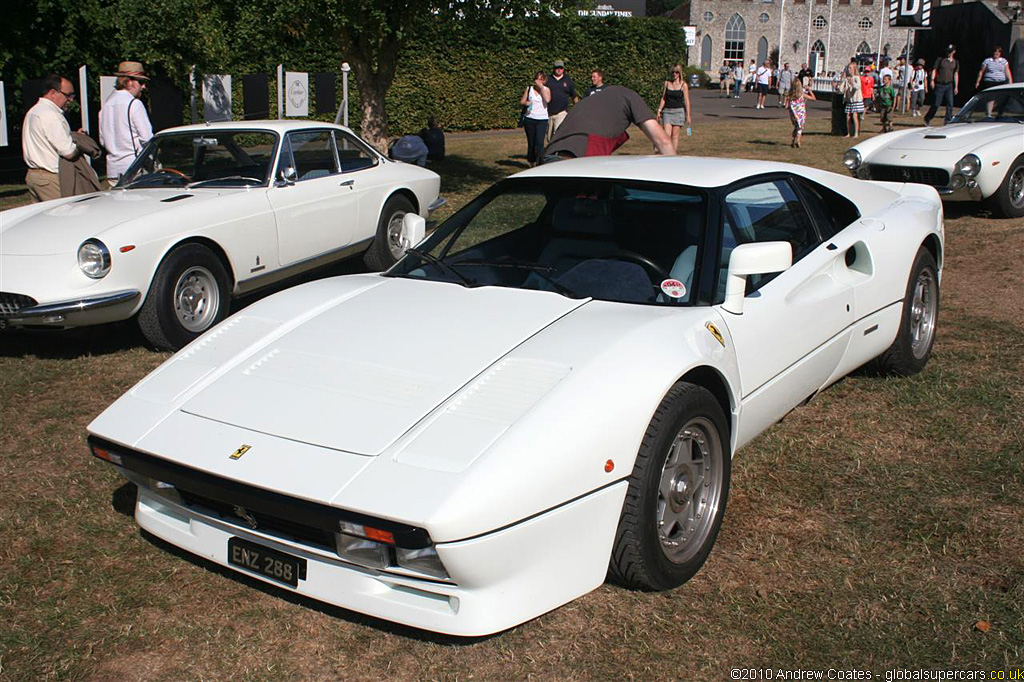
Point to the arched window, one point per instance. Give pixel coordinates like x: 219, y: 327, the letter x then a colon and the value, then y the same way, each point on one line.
x: 817, y: 56
x: 735, y: 38
x: 865, y: 23
x: 863, y: 48
x: 762, y: 50
x: 705, y: 52
x: 819, y: 22
x: 709, y: 16
x: 764, y: 18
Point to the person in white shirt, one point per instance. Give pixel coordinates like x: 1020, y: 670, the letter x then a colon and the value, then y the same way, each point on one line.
x: 763, y: 75
x: 45, y: 137
x: 124, y: 124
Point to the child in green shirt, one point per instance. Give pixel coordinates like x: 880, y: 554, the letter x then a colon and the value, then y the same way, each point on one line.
x: 886, y: 97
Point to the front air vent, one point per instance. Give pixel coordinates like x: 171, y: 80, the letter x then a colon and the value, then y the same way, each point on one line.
x: 10, y: 304
x: 935, y: 137
x: 84, y: 199
x: 176, y: 197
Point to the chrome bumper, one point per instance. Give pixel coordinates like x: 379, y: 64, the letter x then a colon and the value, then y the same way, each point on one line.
x: 54, y: 312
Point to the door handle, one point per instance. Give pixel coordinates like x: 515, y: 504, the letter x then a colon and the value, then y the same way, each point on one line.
x: 348, y: 183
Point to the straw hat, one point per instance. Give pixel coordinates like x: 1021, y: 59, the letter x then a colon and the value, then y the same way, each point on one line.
x: 132, y: 69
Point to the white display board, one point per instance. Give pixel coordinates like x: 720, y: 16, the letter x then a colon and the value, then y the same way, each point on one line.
x: 3, y: 117
x: 296, y: 93
x: 107, y: 85
x: 83, y: 97
x: 216, y: 98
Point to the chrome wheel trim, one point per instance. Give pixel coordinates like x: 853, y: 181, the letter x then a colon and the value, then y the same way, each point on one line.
x: 923, y: 307
x: 690, y: 490
x: 1016, y: 187
x: 394, y: 233
x: 196, y: 299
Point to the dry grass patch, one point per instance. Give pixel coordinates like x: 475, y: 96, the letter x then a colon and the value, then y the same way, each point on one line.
x: 871, y: 528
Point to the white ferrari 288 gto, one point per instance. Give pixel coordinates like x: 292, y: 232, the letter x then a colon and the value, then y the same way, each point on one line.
x: 546, y: 390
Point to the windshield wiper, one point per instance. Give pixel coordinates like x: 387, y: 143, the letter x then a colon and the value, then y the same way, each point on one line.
x: 540, y: 269
x: 433, y: 260
x: 150, y: 176
x: 199, y: 183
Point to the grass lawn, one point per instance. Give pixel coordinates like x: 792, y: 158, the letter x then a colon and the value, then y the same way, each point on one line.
x: 880, y: 526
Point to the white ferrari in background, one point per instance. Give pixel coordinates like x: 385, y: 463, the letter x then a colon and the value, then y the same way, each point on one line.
x: 553, y: 383
x: 204, y: 213
x: 978, y: 156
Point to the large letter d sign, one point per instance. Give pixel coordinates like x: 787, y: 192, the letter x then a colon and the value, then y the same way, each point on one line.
x: 910, y: 7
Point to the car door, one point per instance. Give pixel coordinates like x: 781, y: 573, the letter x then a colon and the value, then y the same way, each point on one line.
x: 363, y: 172
x: 317, y: 212
x: 794, y: 327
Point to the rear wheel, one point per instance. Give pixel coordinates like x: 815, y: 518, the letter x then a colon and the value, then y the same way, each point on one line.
x: 1008, y: 201
x: 677, y: 493
x: 189, y: 295
x: 909, y: 353
x: 386, y: 248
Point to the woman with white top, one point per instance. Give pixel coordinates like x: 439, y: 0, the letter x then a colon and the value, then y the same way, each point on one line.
x: 535, y: 121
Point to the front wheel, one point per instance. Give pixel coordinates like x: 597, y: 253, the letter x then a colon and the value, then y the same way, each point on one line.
x: 915, y: 338
x: 386, y: 248
x: 1008, y: 201
x: 677, y: 493
x: 189, y: 295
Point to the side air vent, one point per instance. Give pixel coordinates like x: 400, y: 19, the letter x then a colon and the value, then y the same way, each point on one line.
x: 83, y: 199
x: 176, y: 197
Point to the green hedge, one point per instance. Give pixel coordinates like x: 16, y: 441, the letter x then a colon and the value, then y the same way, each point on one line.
x: 468, y: 74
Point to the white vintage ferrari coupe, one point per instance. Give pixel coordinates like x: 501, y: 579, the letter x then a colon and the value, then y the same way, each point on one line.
x: 979, y: 156
x: 205, y: 212
x: 546, y: 390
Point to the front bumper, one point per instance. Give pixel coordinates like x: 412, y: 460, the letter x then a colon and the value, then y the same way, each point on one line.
x: 76, y: 312
x: 498, y: 580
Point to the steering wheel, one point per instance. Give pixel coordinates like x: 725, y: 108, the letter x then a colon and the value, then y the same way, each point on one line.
x: 174, y: 171
x: 654, y: 271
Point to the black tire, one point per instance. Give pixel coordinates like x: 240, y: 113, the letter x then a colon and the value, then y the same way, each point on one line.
x: 652, y: 551
x: 384, y: 251
x: 189, y: 294
x: 1008, y: 201
x: 915, y: 339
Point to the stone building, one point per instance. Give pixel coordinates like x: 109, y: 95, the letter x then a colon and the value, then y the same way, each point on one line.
x: 822, y: 33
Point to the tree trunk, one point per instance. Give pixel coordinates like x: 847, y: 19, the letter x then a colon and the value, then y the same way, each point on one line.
x: 374, y: 128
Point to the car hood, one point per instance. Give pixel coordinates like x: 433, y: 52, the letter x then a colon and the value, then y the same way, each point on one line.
x: 361, y: 373
x: 953, y: 137
x: 62, y: 228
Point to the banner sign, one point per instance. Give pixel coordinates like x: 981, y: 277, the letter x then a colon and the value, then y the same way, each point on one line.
x: 3, y: 117
x: 216, y: 98
x: 83, y: 97
x: 296, y: 94
x: 690, y: 32
x: 910, y: 13
x: 107, y: 84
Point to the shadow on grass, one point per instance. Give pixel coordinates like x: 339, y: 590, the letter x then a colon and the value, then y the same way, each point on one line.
x: 771, y: 143
x: 13, y: 193
x: 461, y: 173
x: 520, y: 165
x: 306, y: 602
x: 123, y: 499
x: 68, y: 344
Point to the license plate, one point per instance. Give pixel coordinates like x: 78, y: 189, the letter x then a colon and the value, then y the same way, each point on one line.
x: 267, y: 562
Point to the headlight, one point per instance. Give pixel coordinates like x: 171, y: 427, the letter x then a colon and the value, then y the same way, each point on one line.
x: 94, y: 258
x: 852, y: 159
x: 969, y: 166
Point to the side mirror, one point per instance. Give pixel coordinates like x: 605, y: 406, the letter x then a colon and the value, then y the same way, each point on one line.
x: 288, y: 175
x: 753, y: 259
x: 414, y: 227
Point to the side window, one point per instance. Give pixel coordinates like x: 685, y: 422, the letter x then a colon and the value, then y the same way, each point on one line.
x: 831, y: 211
x: 312, y: 154
x: 766, y: 212
x: 353, y: 153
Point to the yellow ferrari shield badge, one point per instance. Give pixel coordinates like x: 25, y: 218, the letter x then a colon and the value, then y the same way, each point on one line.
x: 237, y: 454
x: 715, y: 333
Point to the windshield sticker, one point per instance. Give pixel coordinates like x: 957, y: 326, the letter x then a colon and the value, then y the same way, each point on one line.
x: 673, y: 288
x: 710, y: 326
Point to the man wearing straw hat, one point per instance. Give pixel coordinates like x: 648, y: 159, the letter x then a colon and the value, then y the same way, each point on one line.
x: 124, y: 124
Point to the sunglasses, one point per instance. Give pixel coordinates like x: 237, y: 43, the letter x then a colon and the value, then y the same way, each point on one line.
x: 69, y: 95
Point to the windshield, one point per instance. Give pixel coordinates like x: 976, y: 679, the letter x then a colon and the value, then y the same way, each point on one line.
x: 582, y: 238
x: 994, y: 105
x: 213, y: 158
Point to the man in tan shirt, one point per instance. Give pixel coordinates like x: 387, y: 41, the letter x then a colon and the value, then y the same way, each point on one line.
x: 45, y: 137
